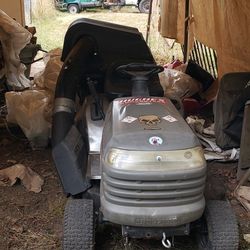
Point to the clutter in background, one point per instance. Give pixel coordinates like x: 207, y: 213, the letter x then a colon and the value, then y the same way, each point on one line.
x: 225, y: 140
x: 27, y: 55
x: 229, y: 113
x: 30, y: 179
x: 246, y: 237
x: 30, y: 103
x: 13, y: 38
x: 47, y: 78
x: 199, y: 74
x: 29, y: 52
x: 243, y: 196
x: 27, y: 109
x: 233, y: 94
x: 177, y: 65
x: 206, y: 136
x: 187, y: 83
x: 177, y: 84
x: 32, y: 109
x: 242, y: 192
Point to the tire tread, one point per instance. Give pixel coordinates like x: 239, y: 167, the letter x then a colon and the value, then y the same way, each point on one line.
x: 222, y: 226
x: 78, y: 225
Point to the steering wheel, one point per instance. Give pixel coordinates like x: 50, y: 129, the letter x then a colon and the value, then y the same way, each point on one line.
x: 134, y: 70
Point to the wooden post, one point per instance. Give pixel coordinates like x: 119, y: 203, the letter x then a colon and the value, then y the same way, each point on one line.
x: 185, y: 45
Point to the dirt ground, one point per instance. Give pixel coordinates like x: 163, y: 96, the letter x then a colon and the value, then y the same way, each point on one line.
x: 34, y: 221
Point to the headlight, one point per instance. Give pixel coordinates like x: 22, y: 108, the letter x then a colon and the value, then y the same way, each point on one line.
x: 156, y: 160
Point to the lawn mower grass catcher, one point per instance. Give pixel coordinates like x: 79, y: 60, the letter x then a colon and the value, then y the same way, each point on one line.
x: 123, y: 152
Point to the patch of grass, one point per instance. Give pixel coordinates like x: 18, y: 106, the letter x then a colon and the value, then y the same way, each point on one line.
x: 51, y: 29
x: 52, y: 26
x: 42, y: 8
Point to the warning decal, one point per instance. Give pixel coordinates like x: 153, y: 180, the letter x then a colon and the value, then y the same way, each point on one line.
x: 140, y: 100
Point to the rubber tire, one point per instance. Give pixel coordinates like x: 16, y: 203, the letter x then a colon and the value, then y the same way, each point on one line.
x: 221, y: 225
x: 79, y: 230
x: 73, y: 8
x: 144, y: 6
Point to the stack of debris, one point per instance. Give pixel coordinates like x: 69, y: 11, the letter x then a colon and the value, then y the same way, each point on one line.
x: 223, y: 127
x: 29, y: 101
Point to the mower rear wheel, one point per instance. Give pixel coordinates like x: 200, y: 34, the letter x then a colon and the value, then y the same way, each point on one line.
x: 219, y: 227
x: 79, y: 230
x: 144, y: 6
x: 73, y: 9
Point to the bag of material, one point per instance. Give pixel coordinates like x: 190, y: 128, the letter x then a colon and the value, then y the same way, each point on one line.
x: 47, y: 79
x: 27, y: 110
x: 13, y: 37
x: 178, y: 85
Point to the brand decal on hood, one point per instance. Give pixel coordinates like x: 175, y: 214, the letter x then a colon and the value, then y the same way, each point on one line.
x: 150, y: 120
x: 129, y: 119
x: 169, y: 118
x: 155, y: 140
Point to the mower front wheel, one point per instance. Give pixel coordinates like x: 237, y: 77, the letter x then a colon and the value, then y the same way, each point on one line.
x: 219, y: 229
x: 79, y: 230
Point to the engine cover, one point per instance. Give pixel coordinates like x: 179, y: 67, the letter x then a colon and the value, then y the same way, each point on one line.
x: 146, y: 124
x: 138, y: 187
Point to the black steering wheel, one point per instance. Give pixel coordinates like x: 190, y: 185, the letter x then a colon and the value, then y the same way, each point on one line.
x: 140, y: 74
x: 134, y: 70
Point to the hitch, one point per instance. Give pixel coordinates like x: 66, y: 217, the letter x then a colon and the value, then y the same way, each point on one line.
x: 165, y: 242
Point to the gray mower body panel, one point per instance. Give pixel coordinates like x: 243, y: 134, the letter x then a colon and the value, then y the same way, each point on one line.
x: 153, y: 116
x: 149, y: 198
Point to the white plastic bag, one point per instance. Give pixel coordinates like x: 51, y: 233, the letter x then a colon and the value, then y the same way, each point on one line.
x: 27, y: 110
x: 178, y: 85
x: 47, y: 79
x: 14, y: 38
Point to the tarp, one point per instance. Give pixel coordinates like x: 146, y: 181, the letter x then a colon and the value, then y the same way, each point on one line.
x: 172, y: 16
x: 220, y: 24
x: 13, y: 37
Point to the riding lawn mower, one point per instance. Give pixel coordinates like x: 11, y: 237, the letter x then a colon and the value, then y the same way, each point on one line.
x: 123, y: 151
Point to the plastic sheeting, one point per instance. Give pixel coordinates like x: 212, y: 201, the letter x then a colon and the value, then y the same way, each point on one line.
x: 13, y: 38
x: 221, y: 25
x: 27, y: 109
x: 206, y: 136
x: 32, y: 109
x: 177, y: 84
x: 47, y: 79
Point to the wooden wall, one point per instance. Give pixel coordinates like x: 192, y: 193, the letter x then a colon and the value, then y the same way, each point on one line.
x: 14, y: 8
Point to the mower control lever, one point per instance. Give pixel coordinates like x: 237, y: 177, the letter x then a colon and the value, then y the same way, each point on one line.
x: 97, y: 112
